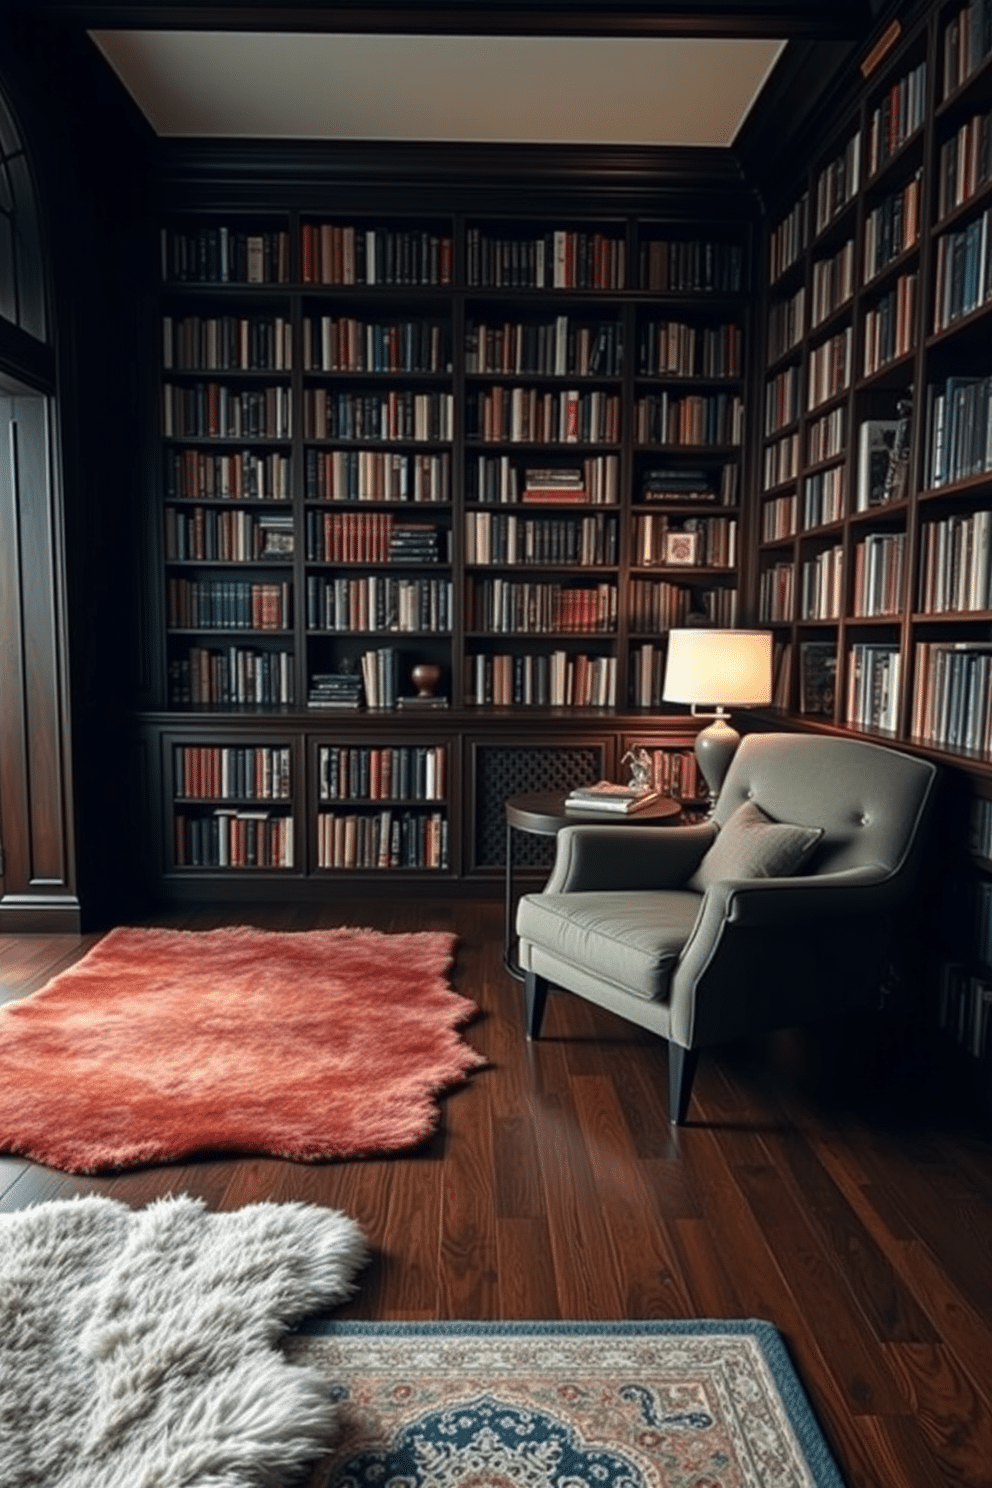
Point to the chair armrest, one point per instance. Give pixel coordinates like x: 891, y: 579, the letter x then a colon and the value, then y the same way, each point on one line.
x: 620, y: 856
x: 864, y: 890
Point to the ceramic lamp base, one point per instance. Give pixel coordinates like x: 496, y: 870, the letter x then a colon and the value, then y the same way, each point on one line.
x: 716, y: 746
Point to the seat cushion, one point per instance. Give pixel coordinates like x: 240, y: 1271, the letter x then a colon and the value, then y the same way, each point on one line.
x: 631, y: 939
x: 751, y: 845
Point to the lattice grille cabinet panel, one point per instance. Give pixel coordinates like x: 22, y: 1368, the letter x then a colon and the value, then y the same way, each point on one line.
x: 502, y: 770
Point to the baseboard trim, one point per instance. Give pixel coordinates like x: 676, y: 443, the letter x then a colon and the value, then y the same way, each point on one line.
x: 37, y: 914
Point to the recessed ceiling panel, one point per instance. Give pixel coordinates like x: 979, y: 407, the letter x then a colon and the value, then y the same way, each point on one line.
x: 586, y: 90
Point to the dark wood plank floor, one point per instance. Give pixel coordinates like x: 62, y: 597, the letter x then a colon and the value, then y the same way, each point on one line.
x: 812, y: 1187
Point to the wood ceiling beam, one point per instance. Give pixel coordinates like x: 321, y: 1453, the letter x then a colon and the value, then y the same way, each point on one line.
x: 788, y: 19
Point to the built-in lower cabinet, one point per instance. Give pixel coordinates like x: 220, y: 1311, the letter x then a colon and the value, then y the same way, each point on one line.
x: 254, y: 808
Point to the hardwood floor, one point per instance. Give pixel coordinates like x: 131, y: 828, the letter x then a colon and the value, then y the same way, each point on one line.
x: 847, y: 1202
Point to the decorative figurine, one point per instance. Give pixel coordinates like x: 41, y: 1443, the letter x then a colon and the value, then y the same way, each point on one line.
x: 640, y: 767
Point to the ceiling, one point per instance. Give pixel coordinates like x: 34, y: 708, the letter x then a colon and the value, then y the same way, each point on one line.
x: 613, y: 90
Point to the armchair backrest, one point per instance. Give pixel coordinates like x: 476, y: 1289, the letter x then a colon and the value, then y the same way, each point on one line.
x: 870, y: 800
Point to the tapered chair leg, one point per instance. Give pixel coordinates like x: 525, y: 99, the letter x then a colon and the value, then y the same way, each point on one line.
x: 681, y: 1073
x: 536, y: 995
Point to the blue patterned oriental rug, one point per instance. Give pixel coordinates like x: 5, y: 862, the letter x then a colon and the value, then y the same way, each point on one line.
x: 564, y: 1405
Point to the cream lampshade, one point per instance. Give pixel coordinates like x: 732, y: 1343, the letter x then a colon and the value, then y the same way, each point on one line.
x: 713, y: 670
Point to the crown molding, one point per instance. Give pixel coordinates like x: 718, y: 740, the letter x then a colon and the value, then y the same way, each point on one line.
x: 824, y: 19
x: 371, y: 175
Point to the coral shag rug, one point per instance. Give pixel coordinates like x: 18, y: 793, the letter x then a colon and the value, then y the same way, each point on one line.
x: 160, y: 1044
x: 140, y: 1349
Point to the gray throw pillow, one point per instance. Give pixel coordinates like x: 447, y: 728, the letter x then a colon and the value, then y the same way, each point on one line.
x: 751, y: 845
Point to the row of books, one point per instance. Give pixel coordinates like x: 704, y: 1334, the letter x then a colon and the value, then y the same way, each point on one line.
x: 242, y: 475
x: 678, y: 484
x: 372, y: 537
x: 956, y: 563
x: 826, y: 436
x: 377, y: 475
x: 524, y: 415
x: 959, y: 429
x: 829, y: 369
x: 788, y: 239
x: 964, y: 1008
x: 821, y: 591
x: 380, y: 677
x: 675, y: 773
x: 213, y: 410
x: 678, y: 266
x: 713, y: 418
x: 225, y: 343
x: 259, y: 772
x: 343, y: 253
x: 967, y: 42
x: 558, y: 348
x: 675, y: 348
x: 823, y: 497
x: 224, y: 255
x: 890, y: 325
x: 778, y: 518
x: 879, y: 574
x: 777, y: 592
x: 209, y: 534
x: 964, y: 271
x: 498, y: 480
x: 782, y: 399
x: 781, y: 461
x: 343, y: 343
x: 980, y: 827
x: 952, y: 697
x: 498, y: 538
x: 817, y: 678
x: 233, y: 839
x: 233, y: 677
x: 873, y: 686
x: 398, y: 414
x: 512, y: 607
x: 561, y: 259
x: 408, y: 772
x: 833, y: 283
x: 964, y: 163
x: 657, y: 605
x: 382, y: 840
x: 893, y: 226
x: 561, y: 679
x: 378, y: 602
x: 228, y: 604
x: 786, y: 323
x: 706, y: 542
x: 837, y: 183
x: 897, y: 115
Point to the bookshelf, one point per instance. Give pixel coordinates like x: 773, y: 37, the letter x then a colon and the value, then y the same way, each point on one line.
x: 875, y: 464
x: 503, y: 450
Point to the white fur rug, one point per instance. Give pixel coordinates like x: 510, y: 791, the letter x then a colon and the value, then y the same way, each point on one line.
x: 138, y: 1348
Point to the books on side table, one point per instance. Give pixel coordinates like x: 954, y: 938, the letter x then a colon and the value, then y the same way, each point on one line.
x: 611, y: 799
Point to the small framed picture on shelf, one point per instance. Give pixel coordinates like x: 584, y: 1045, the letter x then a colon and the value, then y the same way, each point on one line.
x: 817, y: 677
x: 681, y: 548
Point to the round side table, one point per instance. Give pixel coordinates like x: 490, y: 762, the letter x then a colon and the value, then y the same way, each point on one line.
x: 543, y: 814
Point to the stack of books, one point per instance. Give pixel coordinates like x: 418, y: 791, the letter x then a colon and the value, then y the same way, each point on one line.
x: 414, y: 542
x: 335, y: 690
x: 554, y: 485
x: 611, y: 799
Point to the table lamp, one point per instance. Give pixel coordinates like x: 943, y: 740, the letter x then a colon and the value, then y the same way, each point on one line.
x: 714, y: 670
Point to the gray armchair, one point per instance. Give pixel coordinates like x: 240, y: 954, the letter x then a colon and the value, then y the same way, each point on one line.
x: 774, y: 913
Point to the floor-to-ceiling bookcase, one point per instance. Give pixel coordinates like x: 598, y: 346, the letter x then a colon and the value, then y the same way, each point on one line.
x: 875, y: 473
x: 463, y: 467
